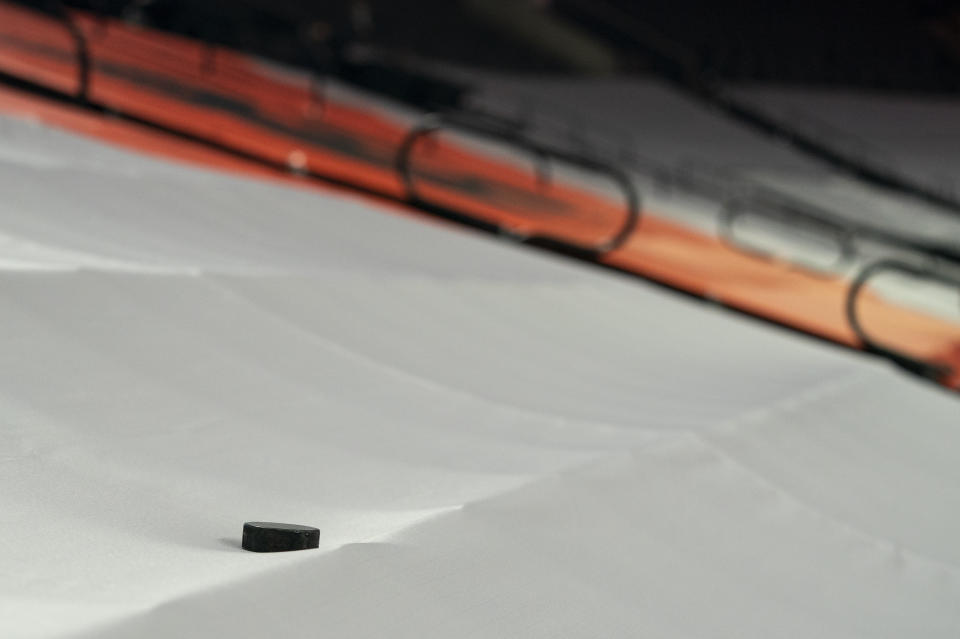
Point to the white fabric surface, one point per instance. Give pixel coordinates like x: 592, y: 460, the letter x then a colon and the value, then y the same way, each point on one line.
x: 493, y: 442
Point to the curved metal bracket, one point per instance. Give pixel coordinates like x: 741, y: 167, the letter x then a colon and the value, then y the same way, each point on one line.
x: 543, y: 156
x: 842, y: 234
x: 80, y: 45
x: 926, y: 369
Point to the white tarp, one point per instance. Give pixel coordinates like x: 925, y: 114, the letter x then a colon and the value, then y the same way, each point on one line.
x: 493, y: 442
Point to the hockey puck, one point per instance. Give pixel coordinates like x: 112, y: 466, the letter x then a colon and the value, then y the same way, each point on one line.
x: 265, y: 536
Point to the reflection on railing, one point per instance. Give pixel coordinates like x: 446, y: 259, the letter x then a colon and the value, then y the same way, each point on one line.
x: 805, y: 221
x: 543, y: 156
x: 847, y: 236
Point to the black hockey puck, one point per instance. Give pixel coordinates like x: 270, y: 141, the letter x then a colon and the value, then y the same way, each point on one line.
x: 265, y: 536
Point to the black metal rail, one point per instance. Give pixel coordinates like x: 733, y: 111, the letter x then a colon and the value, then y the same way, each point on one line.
x: 82, y: 52
x: 874, y: 173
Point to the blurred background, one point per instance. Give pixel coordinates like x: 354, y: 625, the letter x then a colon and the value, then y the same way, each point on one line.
x: 896, y: 46
x: 804, y: 133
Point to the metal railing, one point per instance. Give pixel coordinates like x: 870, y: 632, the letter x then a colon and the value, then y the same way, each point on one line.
x: 543, y: 156
x: 739, y: 199
x: 931, y: 370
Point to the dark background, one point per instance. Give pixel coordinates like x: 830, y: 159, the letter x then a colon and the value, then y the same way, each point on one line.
x: 895, y: 46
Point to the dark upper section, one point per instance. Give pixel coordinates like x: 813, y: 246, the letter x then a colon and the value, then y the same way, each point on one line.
x: 897, y: 45
x: 900, y: 44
